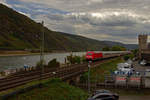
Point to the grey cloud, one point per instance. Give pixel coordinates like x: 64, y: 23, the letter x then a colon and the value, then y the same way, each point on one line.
x: 118, y: 20
x: 105, y: 19
x: 122, y: 27
x: 56, y: 17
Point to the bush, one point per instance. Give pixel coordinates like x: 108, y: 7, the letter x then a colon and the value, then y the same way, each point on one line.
x: 77, y: 59
x: 74, y: 59
x: 135, y: 52
x: 118, y: 48
x: 106, y: 48
x: 130, y: 56
x: 55, y: 80
x: 84, y: 77
x: 70, y: 59
x: 83, y: 59
x: 53, y: 63
x: 126, y: 57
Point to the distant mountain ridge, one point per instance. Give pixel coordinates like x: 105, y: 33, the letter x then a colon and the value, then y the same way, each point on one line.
x: 18, y: 32
x: 128, y: 46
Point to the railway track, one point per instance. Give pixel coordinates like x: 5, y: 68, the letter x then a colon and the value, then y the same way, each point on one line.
x: 62, y: 73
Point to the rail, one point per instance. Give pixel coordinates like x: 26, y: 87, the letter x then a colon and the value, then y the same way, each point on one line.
x: 62, y: 73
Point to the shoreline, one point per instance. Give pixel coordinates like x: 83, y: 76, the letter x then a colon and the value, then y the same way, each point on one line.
x: 28, y: 53
x: 25, y: 53
x: 7, y: 55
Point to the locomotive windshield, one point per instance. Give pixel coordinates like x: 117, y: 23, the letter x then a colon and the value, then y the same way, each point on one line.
x: 89, y: 54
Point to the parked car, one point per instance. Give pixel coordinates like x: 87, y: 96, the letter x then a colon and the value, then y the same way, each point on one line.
x: 104, y: 95
x: 123, y: 65
x: 143, y: 62
x: 126, y: 70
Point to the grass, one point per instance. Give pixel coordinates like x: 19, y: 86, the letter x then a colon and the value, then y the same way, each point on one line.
x: 23, y: 86
x: 53, y: 89
x: 104, y: 69
x: 98, y: 74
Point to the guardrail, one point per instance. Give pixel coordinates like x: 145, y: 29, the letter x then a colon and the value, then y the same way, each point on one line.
x: 124, y: 82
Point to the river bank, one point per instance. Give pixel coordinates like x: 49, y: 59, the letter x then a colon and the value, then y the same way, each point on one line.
x: 13, y: 62
x: 24, y: 53
x: 6, y: 53
x: 16, y: 53
x: 9, y: 60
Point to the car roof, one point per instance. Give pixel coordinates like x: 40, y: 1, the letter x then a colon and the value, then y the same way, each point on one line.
x: 99, y: 94
x: 102, y: 91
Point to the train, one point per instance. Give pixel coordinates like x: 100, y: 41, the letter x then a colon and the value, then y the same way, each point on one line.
x: 91, y: 55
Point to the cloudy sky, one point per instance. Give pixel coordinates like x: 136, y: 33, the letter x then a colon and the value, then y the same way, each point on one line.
x: 114, y: 20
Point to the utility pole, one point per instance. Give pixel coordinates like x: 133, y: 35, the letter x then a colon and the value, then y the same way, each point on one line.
x: 42, y: 52
x: 89, y: 86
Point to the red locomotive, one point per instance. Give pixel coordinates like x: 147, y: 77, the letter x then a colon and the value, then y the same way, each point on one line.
x: 91, y: 55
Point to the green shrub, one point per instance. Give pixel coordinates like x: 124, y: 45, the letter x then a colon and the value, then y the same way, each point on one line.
x: 77, y: 59
x: 84, y: 77
x: 83, y: 59
x: 70, y: 59
x: 130, y: 56
x: 55, y: 80
x: 53, y: 63
x: 118, y: 48
x: 126, y: 57
x: 106, y: 48
x: 135, y: 52
x: 74, y: 59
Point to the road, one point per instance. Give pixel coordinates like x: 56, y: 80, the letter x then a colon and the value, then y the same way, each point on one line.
x: 139, y: 68
x: 134, y: 97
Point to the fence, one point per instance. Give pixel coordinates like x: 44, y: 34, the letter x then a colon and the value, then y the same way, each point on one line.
x: 120, y: 81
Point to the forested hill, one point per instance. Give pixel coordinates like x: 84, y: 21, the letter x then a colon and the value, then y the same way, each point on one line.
x: 127, y: 46
x: 18, y: 32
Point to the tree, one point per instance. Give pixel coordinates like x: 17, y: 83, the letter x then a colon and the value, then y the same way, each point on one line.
x: 126, y: 57
x: 70, y: 59
x: 74, y: 59
x: 106, y: 48
x: 118, y: 48
x: 53, y: 63
x: 77, y: 59
x: 135, y: 52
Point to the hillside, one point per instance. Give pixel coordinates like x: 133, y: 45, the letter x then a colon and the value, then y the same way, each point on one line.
x: 18, y: 32
x: 128, y: 46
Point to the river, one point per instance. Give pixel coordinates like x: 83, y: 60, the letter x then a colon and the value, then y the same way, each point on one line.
x: 12, y: 62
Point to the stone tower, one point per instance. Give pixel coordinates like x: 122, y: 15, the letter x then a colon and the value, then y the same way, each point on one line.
x: 143, y: 45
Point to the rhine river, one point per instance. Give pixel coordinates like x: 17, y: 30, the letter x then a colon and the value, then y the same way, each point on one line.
x: 12, y: 62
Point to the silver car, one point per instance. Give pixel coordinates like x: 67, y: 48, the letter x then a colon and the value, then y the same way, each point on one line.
x: 104, y: 95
